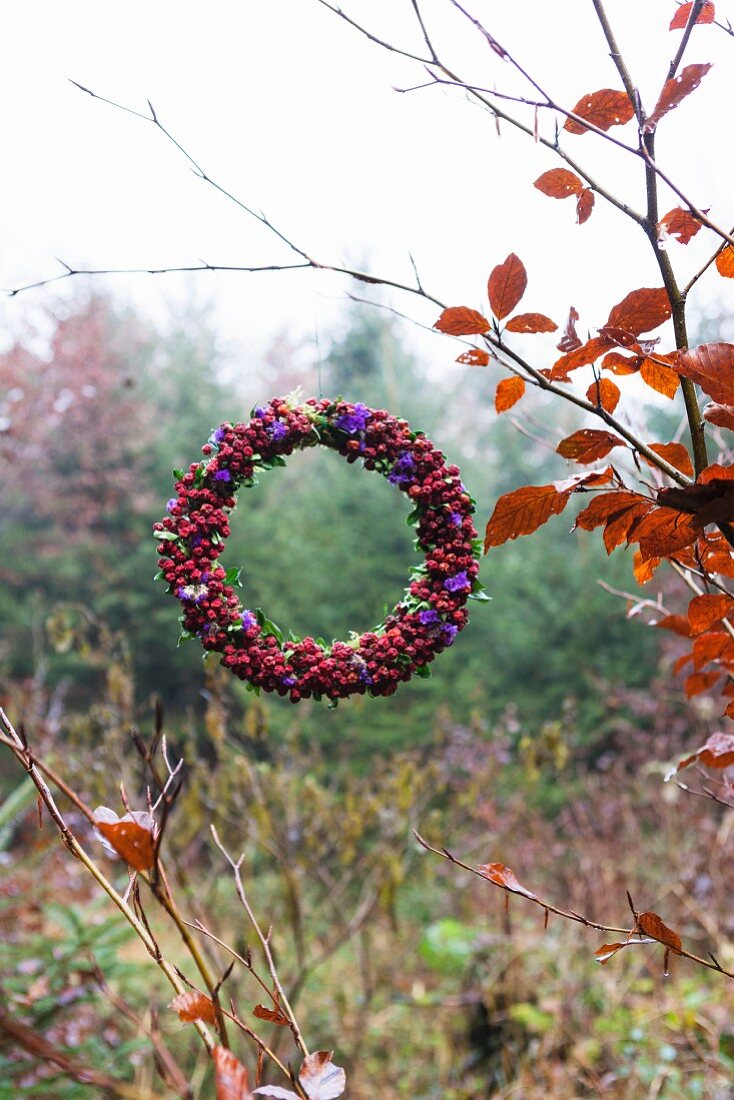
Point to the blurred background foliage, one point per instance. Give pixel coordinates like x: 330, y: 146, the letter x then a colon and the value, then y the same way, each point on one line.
x: 531, y: 744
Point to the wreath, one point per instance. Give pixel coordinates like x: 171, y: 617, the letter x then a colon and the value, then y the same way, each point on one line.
x: 427, y: 619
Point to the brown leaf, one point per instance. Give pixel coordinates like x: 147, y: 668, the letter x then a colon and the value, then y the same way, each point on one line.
x: 230, y: 1076
x: 713, y: 645
x: 604, y: 393
x: 675, y: 91
x: 579, y: 357
x: 522, y: 512
x: 699, y: 682
x: 651, y: 925
x: 608, y: 950
x: 680, y: 224
x: 725, y: 262
x: 504, y: 876
x: 192, y: 1005
x: 620, y: 523
x: 272, y: 1015
x: 559, y: 183
x: 606, y: 505
x: 641, y: 310
x: 320, y: 1078
x: 717, y: 752
x: 603, y: 109
x: 530, y: 322
x: 644, y: 570
x: 659, y: 377
x: 720, y: 415
x: 711, y: 499
x: 475, y: 357
x: 710, y: 366
x: 675, y: 454
x: 506, y: 286
x: 662, y: 531
x: 621, y: 364
x: 677, y: 623
x: 584, y: 205
x: 704, y: 611
x: 570, y: 341
x: 132, y: 836
x: 707, y: 14
x: 588, y: 444
x: 462, y: 321
x: 508, y: 393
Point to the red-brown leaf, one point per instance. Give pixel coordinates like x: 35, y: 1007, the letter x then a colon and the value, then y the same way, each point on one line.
x: 644, y: 570
x: 608, y: 950
x: 570, y: 340
x: 675, y: 454
x: 725, y: 262
x: 621, y: 364
x: 606, y: 505
x: 651, y: 925
x: 707, y: 14
x: 530, y: 322
x: 230, y: 1076
x: 506, y: 286
x: 588, y: 445
x: 604, y: 393
x: 662, y: 531
x: 675, y: 91
x: 680, y: 224
x: 272, y: 1015
x: 508, y: 393
x: 619, y: 524
x: 192, y: 1005
x: 641, y: 311
x: 659, y: 377
x: 717, y: 752
x: 677, y: 623
x: 713, y: 645
x: 475, y: 357
x: 704, y: 611
x: 720, y: 415
x: 522, y: 512
x: 131, y: 836
x: 603, y: 109
x: 584, y: 205
x: 711, y: 366
x: 579, y: 357
x: 699, y: 682
x: 559, y: 183
x: 462, y: 321
x: 504, y: 876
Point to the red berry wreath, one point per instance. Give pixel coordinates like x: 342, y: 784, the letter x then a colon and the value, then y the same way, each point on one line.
x: 425, y: 621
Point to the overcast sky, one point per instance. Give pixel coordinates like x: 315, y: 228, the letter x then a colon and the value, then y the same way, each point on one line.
x: 294, y: 112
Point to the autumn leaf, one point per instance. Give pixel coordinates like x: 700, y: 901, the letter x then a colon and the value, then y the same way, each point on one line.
x: 559, y: 183
x: 644, y: 570
x: 713, y: 645
x: 603, y: 109
x: 641, y: 310
x: 606, y: 505
x: 707, y: 14
x: 711, y: 499
x: 579, y: 357
x: 523, y: 511
x: 621, y: 364
x: 725, y: 262
x: 588, y: 445
x: 720, y: 415
x: 504, y: 876
x: 272, y: 1015
x: 570, y: 340
x: 710, y: 366
x: 704, y: 611
x: 675, y: 91
x: 230, y: 1076
x: 462, y: 321
x: 192, y: 1005
x: 662, y: 531
x: 475, y: 357
x: 604, y: 393
x: 717, y: 752
x: 132, y: 837
x: 678, y: 223
x: 699, y: 682
x: 675, y: 454
x: 619, y: 524
x: 506, y: 286
x: 584, y: 205
x: 530, y: 322
x: 508, y: 392
x: 319, y: 1078
x: 608, y: 950
x: 677, y: 623
x: 659, y: 377
x: 651, y: 925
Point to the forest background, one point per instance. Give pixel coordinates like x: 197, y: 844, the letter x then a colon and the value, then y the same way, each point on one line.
x: 540, y: 740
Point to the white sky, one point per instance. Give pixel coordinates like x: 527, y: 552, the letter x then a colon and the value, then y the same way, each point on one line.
x: 294, y: 112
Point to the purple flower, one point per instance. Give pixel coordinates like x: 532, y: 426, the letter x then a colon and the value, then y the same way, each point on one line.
x: 248, y: 619
x: 456, y: 519
x: 365, y: 677
x: 355, y: 421
x: 429, y: 617
x: 218, y: 435
x: 403, y: 469
x: 260, y: 412
x: 288, y: 681
x: 222, y: 475
x: 455, y: 584
x: 449, y: 631
x: 277, y: 430
x: 197, y: 540
x: 171, y: 504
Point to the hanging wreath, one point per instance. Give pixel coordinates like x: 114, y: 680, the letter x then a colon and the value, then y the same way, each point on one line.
x: 193, y: 534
